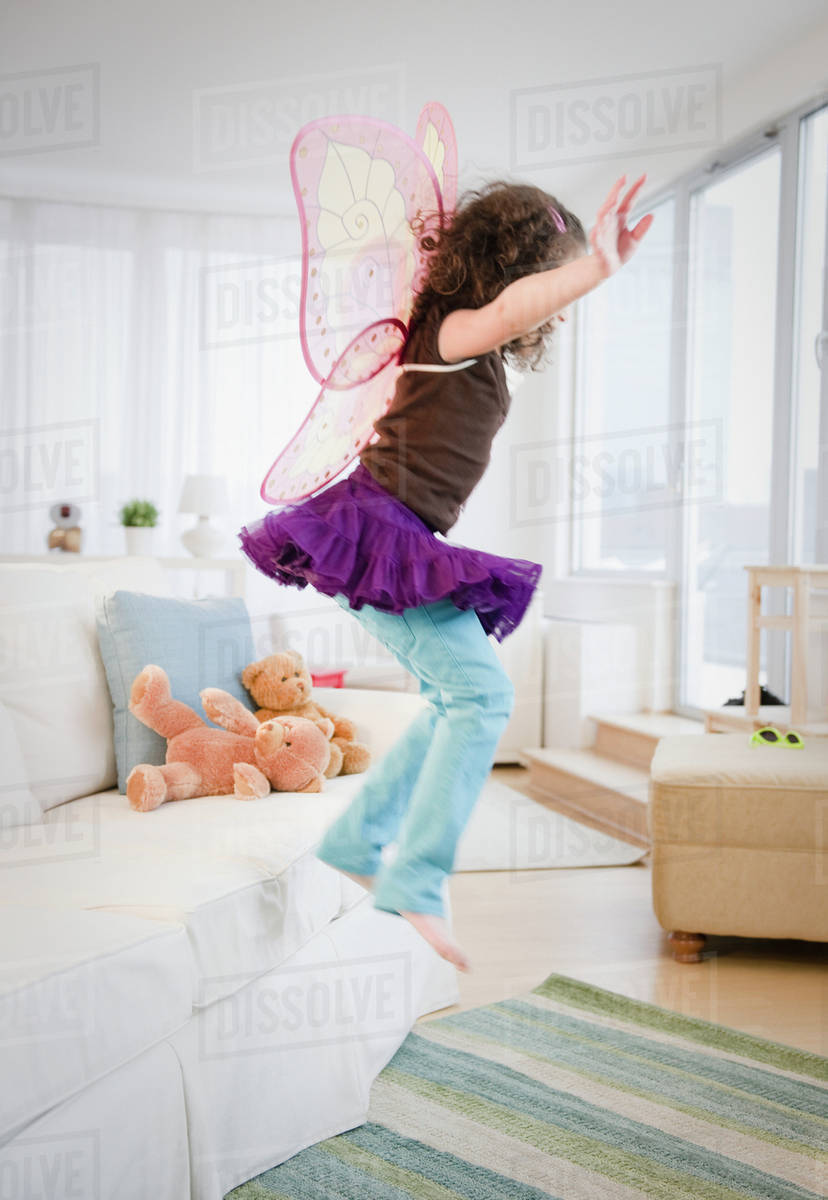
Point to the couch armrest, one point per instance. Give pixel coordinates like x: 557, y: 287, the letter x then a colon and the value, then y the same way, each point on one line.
x: 380, y: 716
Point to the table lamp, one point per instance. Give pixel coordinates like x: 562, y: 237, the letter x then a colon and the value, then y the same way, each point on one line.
x: 206, y: 496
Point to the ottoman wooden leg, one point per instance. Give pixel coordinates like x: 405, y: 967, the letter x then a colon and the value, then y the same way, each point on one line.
x: 687, y: 947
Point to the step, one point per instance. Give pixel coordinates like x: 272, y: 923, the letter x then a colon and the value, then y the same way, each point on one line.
x: 606, y: 794
x: 732, y: 718
x: 633, y: 737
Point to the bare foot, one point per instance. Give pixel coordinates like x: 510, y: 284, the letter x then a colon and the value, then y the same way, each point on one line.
x: 435, y: 932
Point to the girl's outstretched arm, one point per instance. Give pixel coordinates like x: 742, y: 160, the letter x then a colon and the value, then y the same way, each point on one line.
x: 534, y: 299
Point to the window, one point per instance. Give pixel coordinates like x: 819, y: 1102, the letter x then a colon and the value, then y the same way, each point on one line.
x: 708, y: 338
x: 137, y: 346
x: 810, y: 281
x: 734, y: 224
x: 622, y: 472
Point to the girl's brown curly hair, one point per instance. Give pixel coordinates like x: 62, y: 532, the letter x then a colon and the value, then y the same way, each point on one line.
x: 496, y: 234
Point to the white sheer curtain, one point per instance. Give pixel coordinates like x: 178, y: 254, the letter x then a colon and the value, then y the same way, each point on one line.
x: 137, y: 346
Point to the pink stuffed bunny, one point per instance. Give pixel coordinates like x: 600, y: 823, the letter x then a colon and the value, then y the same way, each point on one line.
x: 289, y: 754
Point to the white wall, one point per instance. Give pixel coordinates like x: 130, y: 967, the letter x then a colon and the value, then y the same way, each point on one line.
x: 161, y: 63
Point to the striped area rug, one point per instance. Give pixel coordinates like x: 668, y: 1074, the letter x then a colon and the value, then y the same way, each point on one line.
x: 579, y: 1093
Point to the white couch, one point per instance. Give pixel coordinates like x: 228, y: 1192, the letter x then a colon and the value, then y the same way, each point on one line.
x: 189, y: 996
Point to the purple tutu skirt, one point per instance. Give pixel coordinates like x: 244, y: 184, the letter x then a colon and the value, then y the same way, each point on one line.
x: 356, y: 538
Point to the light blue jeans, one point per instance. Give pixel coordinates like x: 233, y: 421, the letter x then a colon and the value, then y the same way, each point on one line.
x: 422, y: 791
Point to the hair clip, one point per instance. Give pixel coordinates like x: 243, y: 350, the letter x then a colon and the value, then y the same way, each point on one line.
x: 560, y: 224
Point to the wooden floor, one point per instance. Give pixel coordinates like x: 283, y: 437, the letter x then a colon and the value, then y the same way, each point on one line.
x: 597, y: 924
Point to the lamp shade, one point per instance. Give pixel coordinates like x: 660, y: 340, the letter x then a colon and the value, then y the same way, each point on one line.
x: 205, y: 495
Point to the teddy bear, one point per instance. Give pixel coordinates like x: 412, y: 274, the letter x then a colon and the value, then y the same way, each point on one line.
x: 281, y: 686
x: 246, y: 757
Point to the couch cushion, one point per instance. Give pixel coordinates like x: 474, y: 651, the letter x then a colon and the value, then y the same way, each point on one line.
x: 380, y: 716
x: 80, y: 994
x: 51, y: 676
x: 17, y: 804
x: 199, y: 643
x: 242, y: 876
x: 717, y: 789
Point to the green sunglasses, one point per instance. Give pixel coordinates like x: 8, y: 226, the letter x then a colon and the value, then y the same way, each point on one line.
x: 769, y: 735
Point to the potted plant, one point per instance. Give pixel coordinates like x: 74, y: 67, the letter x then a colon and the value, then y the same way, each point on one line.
x: 139, y: 518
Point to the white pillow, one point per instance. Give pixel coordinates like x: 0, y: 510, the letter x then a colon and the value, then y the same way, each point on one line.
x: 380, y: 717
x: 52, y: 679
x: 17, y: 804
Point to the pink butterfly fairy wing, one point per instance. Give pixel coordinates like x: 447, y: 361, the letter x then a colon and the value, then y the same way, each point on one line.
x: 358, y: 183
x: 359, y: 389
x: 435, y: 133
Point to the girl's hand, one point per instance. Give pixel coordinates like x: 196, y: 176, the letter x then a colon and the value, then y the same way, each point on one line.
x: 611, y: 241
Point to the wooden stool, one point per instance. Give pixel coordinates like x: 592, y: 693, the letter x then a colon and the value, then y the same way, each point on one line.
x: 801, y: 579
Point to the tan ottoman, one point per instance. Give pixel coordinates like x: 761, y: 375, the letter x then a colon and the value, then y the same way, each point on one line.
x: 739, y: 837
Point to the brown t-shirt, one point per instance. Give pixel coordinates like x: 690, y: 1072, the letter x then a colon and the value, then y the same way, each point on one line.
x: 435, y: 439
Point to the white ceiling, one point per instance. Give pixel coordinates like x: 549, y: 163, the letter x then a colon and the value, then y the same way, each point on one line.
x: 159, y: 61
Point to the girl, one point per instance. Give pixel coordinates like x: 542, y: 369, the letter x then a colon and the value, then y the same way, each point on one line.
x: 503, y: 269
